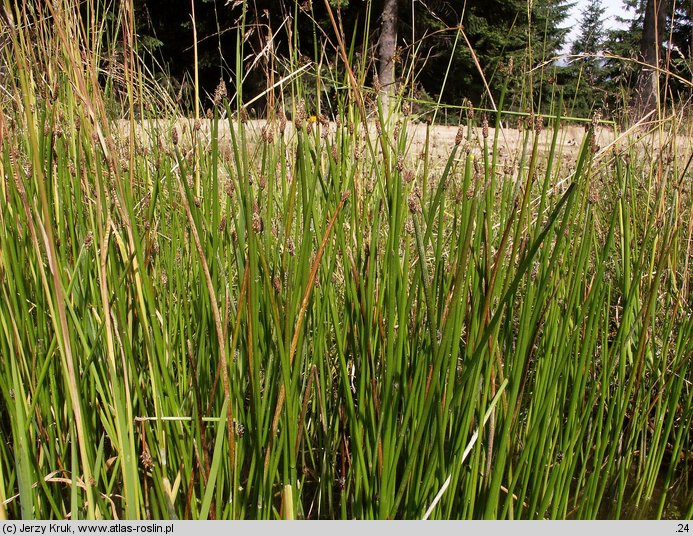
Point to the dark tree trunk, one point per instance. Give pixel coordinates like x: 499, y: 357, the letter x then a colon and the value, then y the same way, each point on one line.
x: 653, y: 35
x: 388, y: 46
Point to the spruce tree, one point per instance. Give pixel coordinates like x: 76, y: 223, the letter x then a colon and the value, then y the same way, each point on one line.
x: 591, y: 37
x: 499, y: 31
x: 624, y: 52
x: 585, y: 73
x: 622, y: 47
x: 548, y: 34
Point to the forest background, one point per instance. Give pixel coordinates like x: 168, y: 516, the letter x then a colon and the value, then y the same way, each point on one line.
x: 449, y: 52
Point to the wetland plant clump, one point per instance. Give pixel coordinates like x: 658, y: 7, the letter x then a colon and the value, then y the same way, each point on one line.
x: 227, y: 318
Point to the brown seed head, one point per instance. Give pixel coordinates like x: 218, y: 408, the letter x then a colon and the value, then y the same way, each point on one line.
x: 146, y: 459
x: 229, y: 187
x: 529, y: 122
x: 219, y: 93
x: 258, y: 226
x: 267, y: 134
x: 300, y: 116
x: 377, y: 86
x: 413, y: 204
x: 282, y: 121
x: 460, y: 135
x: 470, y: 110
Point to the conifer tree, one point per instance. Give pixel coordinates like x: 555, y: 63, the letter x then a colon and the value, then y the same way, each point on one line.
x: 498, y: 31
x: 591, y: 37
x: 627, y: 83
x: 586, y: 71
x: 621, y: 48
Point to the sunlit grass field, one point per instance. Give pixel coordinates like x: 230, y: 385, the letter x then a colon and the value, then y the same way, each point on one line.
x: 309, y: 321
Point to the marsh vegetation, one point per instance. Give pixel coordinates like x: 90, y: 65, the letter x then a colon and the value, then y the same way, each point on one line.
x: 318, y: 319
